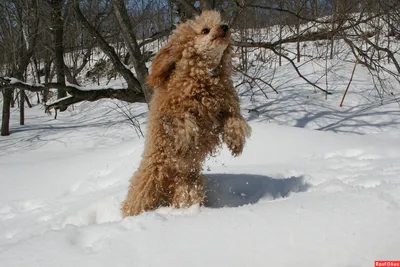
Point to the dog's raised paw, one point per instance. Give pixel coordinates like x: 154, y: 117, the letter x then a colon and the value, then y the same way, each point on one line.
x: 236, y: 130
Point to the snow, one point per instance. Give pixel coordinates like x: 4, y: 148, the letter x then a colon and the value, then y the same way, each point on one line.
x: 59, y: 204
x: 17, y: 81
x: 115, y: 85
x: 316, y: 185
x: 296, y: 197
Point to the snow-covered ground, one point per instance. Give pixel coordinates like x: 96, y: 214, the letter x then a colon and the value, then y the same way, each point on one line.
x: 317, y: 185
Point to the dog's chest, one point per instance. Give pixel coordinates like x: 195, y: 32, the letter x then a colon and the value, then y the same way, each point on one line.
x: 211, y: 100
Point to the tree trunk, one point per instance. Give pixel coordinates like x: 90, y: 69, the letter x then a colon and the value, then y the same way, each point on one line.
x: 70, y: 77
x: 314, y: 9
x: 298, y: 22
x: 47, y: 70
x: 5, y: 120
x: 280, y: 47
x: 281, y: 28
x: 26, y: 43
x: 23, y: 47
x: 137, y: 58
x: 133, y: 84
x: 332, y: 41
x: 28, y: 102
x: 12, y: 105
x: 20, y: 76
x: 58, y: 32
x: 37, y: 69
x: 298, y: 42
x: 21, y: 107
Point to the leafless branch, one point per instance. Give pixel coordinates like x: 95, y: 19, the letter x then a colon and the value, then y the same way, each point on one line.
x: 299, y: 73
x: 156, y: 36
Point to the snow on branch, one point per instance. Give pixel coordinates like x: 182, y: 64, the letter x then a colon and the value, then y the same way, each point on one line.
x: 77, y: 93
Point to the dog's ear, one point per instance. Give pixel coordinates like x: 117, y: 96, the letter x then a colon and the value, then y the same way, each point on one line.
x: 163, y: 65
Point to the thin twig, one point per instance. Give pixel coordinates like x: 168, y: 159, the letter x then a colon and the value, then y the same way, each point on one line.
x: 351, y: 79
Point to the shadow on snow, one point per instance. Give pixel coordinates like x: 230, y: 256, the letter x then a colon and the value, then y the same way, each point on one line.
x: 234, y: 190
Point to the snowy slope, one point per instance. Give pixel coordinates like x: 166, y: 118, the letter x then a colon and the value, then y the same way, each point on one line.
x: 62, y: 182
x: 317, y: 185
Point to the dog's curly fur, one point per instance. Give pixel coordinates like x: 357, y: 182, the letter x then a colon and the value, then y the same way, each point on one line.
x: 193, y: 110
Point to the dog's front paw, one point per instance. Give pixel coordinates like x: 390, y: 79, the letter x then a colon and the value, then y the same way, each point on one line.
x: 182, y: 132
x: 236, y: 130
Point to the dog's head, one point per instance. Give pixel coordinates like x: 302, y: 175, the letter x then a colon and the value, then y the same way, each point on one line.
x: 204, y: 38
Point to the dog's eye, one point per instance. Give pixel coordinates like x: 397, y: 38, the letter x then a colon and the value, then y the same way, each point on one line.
x: 205, y: 31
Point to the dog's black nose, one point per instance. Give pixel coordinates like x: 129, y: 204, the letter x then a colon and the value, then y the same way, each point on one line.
x: 224, y: 27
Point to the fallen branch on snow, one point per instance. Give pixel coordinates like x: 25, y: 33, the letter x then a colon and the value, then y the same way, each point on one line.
x: 77, y: 94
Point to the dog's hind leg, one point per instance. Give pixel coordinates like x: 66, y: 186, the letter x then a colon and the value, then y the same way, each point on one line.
x: 189, y: 190
x: 145, y: 193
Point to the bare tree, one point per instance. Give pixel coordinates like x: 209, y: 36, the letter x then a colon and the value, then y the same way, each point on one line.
x: 139, y: 64
x: 27, y: 29
x: 271, y: 32
x: 57, y: 27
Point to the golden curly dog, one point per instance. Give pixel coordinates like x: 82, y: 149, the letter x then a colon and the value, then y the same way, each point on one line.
x: 193, y: 110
